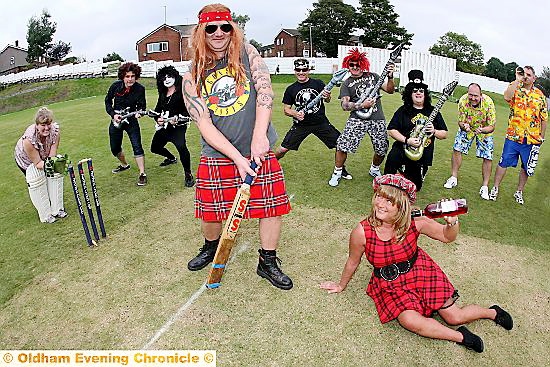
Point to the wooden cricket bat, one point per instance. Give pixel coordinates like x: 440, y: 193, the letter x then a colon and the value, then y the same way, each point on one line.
x: 230, y: 229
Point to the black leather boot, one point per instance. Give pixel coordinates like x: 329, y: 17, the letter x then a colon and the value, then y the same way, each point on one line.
x: 205, y: 255
x: 268, y: 268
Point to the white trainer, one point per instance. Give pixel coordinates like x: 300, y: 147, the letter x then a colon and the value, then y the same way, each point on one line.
x: 451, y: 182
x: 375, y: 171
x: 484, y: 192
x: 493, y: 194
x: 518, y: 195
x: 335, y: 179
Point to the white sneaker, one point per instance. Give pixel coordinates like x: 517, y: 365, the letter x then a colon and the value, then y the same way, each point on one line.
x: 451, y: 182
x: 493, y: 194
x: 375, y: 171
x: 335, y: 179
x: 484, y: 192
x: 518, y: 195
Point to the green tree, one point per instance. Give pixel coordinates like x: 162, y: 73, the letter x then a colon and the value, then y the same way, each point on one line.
x: 545, y: 72
x: 113, y: 57
x: 39, y: 36
x: 468, y: 54
x: 495, y: 69
x: 256, y: 44
x: 58, y: 51
x: 332, y: 23
x: 543, y: 81
x: 241, y: 20
x: 510, y: 71
x: 379, y: 21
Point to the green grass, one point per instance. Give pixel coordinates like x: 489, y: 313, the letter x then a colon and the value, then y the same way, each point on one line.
x: 118, y: 295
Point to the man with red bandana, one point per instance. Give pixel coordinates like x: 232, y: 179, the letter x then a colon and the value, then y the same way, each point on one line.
x: 359, y: 83
x: 228, y: 93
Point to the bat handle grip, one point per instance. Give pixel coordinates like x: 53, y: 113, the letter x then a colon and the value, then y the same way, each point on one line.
x: 248, y: 179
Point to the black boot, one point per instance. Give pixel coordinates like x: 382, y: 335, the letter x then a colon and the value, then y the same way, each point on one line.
x: 471, y: 340
x: 189, y: 180
x: 205, y: 256
x: 268, y: 268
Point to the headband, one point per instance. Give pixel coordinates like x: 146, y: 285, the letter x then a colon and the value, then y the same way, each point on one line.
x: 213, y: 16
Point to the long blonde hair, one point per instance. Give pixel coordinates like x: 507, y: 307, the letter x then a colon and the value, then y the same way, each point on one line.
x: 397, y: 197
x: 204, y: 58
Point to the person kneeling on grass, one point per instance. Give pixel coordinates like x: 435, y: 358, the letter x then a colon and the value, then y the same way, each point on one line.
x: 406, y: 283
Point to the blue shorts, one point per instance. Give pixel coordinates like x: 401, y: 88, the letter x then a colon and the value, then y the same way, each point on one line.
x: 484, y: 146
x: 512, y: 151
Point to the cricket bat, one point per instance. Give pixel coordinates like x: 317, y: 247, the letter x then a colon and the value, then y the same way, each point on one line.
x: 229, y: 233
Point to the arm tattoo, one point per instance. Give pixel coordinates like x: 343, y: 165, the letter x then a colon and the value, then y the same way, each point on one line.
x: 347, y: 105
x: 260, y: 77
x: 195, y: 105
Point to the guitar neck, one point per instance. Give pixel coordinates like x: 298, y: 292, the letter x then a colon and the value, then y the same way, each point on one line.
x: 438, y: 107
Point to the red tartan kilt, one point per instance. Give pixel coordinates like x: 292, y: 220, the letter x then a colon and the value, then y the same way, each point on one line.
x: 218, y: 181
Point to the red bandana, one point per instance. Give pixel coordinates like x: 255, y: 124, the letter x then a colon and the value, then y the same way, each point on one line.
x: 214, y: 16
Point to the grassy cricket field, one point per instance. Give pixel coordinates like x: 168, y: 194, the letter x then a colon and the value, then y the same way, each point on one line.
x: 131, y: 291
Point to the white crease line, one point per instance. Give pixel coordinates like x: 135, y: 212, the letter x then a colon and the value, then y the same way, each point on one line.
x: 189, y: 302
x: 290, y: 197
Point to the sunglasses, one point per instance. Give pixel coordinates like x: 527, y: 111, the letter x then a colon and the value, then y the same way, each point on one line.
x: 300, y: 70
x: 418, y: 90
x: 211, y: 28
x: 353, y: 64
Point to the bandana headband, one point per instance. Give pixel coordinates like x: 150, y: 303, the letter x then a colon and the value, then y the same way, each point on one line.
x: 213, y: 16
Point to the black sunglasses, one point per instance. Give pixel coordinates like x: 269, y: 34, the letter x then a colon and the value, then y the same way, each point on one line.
x: 353, y: 64
x: 211, y: 28
x: 299, y: 70
x: 418, y: 90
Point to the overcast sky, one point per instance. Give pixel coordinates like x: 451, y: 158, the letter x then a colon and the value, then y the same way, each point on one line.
x: 509, y: 30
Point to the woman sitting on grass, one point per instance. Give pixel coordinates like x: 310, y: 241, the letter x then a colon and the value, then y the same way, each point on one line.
x: 407, y: 284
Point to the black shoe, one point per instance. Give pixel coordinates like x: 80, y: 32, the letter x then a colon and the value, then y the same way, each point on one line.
x: 205, y: 255
x: 142, y: 179
x: 189, y: 180
x: 345, y: 174
x: 168, y: 162
x: 121, y: 168
x: 471, y: 340
x: 503, y: 318
x: 268, y: 268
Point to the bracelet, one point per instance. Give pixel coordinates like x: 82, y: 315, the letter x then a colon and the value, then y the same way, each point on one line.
x: 453, y: 224
x: 405, y: 142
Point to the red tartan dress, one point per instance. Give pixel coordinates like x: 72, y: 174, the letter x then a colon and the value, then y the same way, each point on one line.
x: 424, y: 288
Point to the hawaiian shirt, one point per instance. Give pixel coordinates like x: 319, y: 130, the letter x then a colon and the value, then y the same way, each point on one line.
x: 528, y: 109
x: 482, y: 115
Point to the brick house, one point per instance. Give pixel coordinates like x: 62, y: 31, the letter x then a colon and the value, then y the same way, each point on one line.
x: 167, y: 42
x: 288, y: 43
x: 12, y: 58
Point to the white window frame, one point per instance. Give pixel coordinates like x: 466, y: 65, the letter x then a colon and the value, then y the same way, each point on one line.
x: 282, y: 39
x: 162, y: 47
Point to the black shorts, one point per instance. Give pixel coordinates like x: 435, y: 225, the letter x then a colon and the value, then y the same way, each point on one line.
x: 327, y: 133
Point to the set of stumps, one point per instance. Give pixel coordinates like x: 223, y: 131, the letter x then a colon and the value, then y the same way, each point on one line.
x: 88, y: 161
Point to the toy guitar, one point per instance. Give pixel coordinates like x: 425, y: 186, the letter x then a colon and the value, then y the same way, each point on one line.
x: 125, y: 114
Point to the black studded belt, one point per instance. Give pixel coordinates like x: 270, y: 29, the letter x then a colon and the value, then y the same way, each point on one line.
x: 392, y: 271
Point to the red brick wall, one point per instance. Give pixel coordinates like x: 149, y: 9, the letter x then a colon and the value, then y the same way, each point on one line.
x: 292, y: 45
x: 165, y: 34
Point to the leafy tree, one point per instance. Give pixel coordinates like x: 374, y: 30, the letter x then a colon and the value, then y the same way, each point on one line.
x: 545, y: 72
x: 468, y: 54
x: 113, y: 57
x: 511, y: 71
x: 332, y: 23
x: 39, y: 35
x: 241, y: 20
x: 256, y: 44
x: 543, y: 81
x: 379, y: 21
x: 58, y: 51
x: 495, y: 69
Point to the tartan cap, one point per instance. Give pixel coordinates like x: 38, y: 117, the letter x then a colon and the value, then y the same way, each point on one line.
x: 399, y: 181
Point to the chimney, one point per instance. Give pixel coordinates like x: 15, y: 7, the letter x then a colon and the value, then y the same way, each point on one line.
x: 16, y: 43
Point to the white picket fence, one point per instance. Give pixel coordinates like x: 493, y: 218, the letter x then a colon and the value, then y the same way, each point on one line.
x: 438, y: 70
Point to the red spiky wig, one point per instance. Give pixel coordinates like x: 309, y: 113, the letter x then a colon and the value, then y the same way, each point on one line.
x: 355, y: 56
